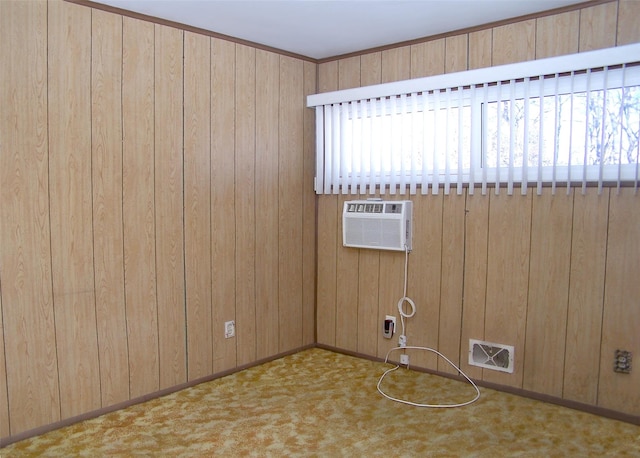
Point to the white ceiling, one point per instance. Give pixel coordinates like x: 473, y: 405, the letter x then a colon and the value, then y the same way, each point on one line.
x: 326, y: 28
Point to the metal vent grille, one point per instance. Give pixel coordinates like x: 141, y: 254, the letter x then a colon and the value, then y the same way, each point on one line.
x: 492, y: 356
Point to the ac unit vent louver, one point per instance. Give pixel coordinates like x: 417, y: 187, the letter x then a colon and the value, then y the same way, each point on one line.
x: 489, y: 355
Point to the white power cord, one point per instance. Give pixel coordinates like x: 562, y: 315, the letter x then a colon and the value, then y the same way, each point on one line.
x: 402, y: 345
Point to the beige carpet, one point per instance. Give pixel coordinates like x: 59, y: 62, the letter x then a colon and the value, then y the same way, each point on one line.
x: 320, y: 403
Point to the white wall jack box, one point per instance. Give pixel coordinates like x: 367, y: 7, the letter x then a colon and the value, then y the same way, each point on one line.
x: 404, y: 359
x: 389, y: 326
x: 229, y: 329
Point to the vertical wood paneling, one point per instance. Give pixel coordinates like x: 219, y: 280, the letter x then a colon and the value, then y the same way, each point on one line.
x: 586, y: 292
x: 368, y: 325
x: 290, y: 204
x: 475, y: 277
x: 371, y: 69
x: 309, y: 211
x: 347, y: 292
x: 4, y: 400
x: 328, y: 239
x: 106, y: 145
x: 69, y: 94
x: 349, y: 73
x: 266, y: 191
x: 621, y: 315
x: 514, y: 42
x: 138, y: 205
x: 245, y: 203
x: 598, y: 26
x: 389, y: 291
x: 548, y: 292
x: 328, y: 76
x: 424, y: 279
x: 367, y: 322
x: 169, y: 201
x: 427, y: 58
x: 507, y: 277
x: 197, y: 204
x: 25, y: 244
x: 451, y: 276
x: 480, y: 45
x: 456, y: 50
x: 396, y: 64
x: 628, y: 14
x: 347, y: 258
x: 223, y: 203
x: 557, y: 35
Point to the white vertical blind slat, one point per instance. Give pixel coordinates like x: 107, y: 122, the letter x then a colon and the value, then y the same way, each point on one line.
x: 587, y: 142
x: 328, y: 156
x: 375, y: 145
x: 525, y: 142
x: 475, y: 141
x: 447, y: 142
x: 335, y: 152
x: 498, y: 139
x: 384, y: 146
x: 393, y: 179
x: 485, y: 139
x: 424, y: 185
x: 320, y: 133
x: 622, y: 127
x: 556, y: 117
x: 460, y: 141
x: 541, y: 83
x: 344, y: 171
x: 365, y: 158
x: 570, y: 156
x: 603, y: 128
x: 404, y: 142
x: 435, y: 185
x: 415, y: 143
x: 512, y: 135
x: 355, y: 151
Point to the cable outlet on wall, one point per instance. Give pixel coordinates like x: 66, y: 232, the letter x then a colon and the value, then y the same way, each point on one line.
x: 404, y: 359
x: 229, y: 329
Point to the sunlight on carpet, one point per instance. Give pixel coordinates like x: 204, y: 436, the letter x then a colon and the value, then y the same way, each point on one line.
x: 321, y: 403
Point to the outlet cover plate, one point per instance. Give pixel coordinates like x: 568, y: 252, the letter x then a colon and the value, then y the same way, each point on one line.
x: 229, y: 329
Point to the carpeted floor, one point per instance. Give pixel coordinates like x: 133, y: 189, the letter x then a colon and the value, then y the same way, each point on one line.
x: 325, y: 404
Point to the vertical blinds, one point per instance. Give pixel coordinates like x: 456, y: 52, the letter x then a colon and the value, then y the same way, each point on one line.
x: 571, y: 121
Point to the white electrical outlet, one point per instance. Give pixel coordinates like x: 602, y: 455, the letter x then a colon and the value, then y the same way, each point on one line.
x: 404, y: 359
x: 229, y: 329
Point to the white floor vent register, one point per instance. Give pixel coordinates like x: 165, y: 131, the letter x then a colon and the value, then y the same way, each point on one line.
x: 377, y: 224
x: 491, y: 356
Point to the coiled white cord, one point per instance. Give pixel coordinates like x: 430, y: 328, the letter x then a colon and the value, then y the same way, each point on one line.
x: 402, y: 342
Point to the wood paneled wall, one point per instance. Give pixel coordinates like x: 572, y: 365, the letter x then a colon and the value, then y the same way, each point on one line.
x: 553, y: 275
x: 154, y: 183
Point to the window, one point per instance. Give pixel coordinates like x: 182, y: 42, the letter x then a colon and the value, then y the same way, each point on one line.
x: 576, y: 124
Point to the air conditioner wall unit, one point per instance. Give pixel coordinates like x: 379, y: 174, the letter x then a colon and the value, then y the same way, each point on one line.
x: 377, y: 224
